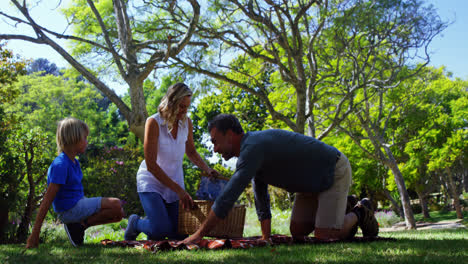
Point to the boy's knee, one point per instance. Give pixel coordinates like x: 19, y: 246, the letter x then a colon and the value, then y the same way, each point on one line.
x: 116, y: 206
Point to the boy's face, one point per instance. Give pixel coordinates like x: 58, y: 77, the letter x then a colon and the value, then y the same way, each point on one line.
x: 82, y: 144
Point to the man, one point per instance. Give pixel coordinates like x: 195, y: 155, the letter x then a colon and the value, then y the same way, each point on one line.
x: 318, y: 173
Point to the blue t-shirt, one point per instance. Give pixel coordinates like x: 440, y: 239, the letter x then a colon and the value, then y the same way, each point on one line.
x: 288, y: 160
x: 68, y: 174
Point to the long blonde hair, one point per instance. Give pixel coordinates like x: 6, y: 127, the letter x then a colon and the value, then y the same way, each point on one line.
x: 169, y: 106
x: 69, y: 132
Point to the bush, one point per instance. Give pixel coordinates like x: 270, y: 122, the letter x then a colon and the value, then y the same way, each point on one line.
x: 386, y: 218
x: 111, y: 172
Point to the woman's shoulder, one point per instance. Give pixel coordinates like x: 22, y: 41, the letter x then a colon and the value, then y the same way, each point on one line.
x: 155, y: 116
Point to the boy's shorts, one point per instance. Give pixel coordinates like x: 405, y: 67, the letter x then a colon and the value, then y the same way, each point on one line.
x: 325, y: 209
x: 83, y: 209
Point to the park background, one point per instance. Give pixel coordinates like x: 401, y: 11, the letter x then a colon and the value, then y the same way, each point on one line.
x: 413, y: 126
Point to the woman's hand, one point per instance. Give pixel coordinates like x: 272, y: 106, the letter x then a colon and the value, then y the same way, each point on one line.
x: 212, y: 173
x: 186, y: 200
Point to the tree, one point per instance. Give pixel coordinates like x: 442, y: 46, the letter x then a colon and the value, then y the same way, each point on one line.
x: 45, y: 100
x: 422, y: 124
x: 450, y: 99
x: 130, y: 37
x: 311, y: 51
x: 44, y: 66
x: 329, y: 59
x: 29, y: 146
x: 11, y: 67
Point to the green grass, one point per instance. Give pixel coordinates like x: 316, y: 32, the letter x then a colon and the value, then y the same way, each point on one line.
x: 437, y: 216
x: 428, y: 246
x: 438, y: 246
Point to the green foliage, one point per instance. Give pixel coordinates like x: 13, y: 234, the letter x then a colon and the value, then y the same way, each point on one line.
x: 386, y: 218
x: 23, y: 169
x: 11, y: 67
x: 429, y: 132
x: 250, y: 111
x: 111, y: 172
x: 45, y: 100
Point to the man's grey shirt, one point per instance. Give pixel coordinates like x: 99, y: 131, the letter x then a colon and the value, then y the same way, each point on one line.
x: 288, y: 160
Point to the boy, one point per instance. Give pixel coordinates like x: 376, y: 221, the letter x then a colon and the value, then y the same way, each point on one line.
x: 65, y: 190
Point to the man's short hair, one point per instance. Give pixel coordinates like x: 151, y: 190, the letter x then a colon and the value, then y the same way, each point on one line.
x: 224, y: 122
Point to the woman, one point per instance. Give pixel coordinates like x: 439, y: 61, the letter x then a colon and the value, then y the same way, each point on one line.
x: 160, y: 178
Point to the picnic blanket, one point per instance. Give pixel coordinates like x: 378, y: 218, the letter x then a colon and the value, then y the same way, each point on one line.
x: 234, y: 243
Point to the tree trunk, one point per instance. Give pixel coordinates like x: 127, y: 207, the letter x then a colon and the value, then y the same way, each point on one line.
x: 465, y: 181
x: 400, y: 182
x: 396, y: 207
x: 455, y: 195
x: 139, y: 114
x: 22, y: 232
x: 423, y: 201
x: 4, y: 210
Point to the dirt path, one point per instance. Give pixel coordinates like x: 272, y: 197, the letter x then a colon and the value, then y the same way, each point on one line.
x: 457, y: 223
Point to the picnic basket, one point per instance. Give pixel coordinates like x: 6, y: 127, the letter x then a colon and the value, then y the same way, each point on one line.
x: 230, y: 227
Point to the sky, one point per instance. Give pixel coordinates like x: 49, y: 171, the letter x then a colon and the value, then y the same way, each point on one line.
x: 449, y: 49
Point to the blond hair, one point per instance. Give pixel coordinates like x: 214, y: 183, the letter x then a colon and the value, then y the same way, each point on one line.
x: 169, y: 106
x: 69, y: 132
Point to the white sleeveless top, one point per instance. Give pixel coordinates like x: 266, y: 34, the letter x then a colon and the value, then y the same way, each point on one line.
x: 170, y: 156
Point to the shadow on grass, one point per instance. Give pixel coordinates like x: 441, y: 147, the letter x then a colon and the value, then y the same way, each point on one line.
x: 441, y: 246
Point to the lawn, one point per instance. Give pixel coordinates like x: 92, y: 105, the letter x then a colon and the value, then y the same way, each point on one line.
x: 428, y: 246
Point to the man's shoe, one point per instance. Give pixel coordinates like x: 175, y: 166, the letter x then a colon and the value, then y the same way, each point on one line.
x: 75, y: 233
x: 366, y: 219
x: 351, y: 203
x: 130, y: 232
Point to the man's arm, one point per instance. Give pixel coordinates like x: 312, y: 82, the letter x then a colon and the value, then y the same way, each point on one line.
x: 246, y: 167
x: 210, y: 222
x: 262, y: 205
x: 266, y: 229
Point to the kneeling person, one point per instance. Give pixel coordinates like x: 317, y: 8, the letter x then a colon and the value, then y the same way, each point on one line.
x: 318, y: 173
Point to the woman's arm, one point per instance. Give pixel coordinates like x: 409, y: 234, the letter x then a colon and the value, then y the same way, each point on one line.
x: 151, y: 155
x: 33, y: 240
x: 193, y: 155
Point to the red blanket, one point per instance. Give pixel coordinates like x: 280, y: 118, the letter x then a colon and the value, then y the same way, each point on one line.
x: 246, y: 242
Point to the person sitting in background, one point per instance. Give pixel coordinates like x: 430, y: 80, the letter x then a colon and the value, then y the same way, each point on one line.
x: 65, y: 190
x: 319, y: 174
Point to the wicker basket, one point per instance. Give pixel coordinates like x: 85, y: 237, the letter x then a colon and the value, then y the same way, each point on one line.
x: 230, y: 227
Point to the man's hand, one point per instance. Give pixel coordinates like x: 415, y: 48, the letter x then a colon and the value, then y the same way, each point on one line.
x: 207, y: 225
x: 193, y: 239
x: 33, y: 241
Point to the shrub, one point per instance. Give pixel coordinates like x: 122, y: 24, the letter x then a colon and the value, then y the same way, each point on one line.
x: 386, y: 218
x: 111, y: 172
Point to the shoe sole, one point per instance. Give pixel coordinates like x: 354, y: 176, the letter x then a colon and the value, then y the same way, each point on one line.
x: 69, y: 236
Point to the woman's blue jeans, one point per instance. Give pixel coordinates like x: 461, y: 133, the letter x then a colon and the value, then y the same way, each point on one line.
x: 161, y: 217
